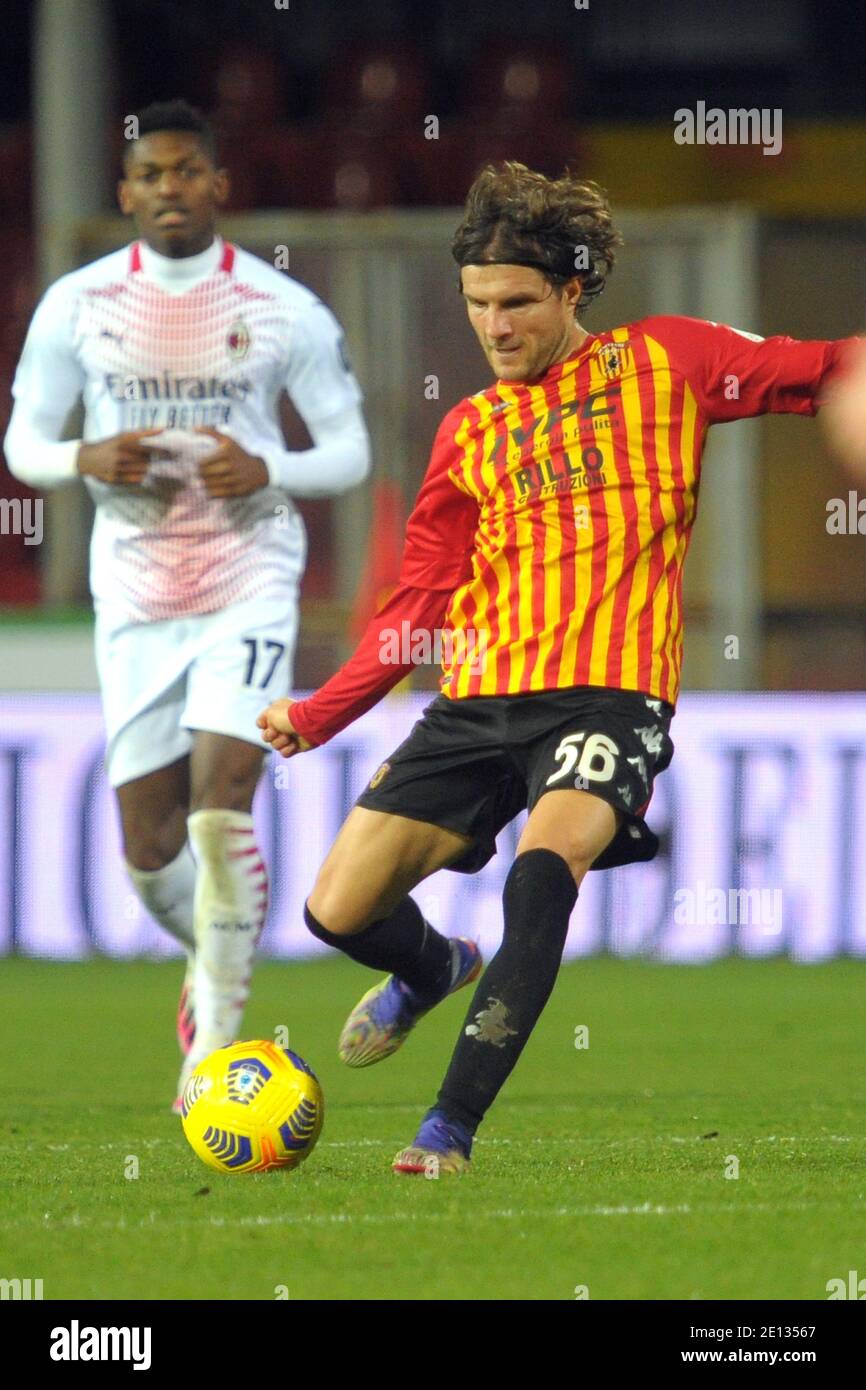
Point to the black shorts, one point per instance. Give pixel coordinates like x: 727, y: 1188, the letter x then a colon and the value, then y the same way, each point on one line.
x: 472, y: 765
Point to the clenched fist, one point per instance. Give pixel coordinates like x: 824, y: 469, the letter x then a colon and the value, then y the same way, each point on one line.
x: 278, y: 730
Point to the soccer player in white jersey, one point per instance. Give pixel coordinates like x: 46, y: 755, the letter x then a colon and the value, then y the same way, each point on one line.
x: 180, y: 344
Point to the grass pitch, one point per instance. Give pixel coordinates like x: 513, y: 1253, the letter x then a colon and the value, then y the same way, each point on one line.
x: 607, y: 1168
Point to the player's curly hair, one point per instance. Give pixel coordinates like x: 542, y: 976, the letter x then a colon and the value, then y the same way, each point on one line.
x: 562, y: 227
x: 173, y: 115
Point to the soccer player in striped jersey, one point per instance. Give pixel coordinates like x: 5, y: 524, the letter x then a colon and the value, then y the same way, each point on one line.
x: 548, y: 542
x: 180, y: 344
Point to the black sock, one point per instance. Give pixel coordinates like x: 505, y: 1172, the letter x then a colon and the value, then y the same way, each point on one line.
x: 402, y: 943
x: 538, y: 897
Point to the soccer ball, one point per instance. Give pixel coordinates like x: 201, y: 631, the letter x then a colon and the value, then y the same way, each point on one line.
x: 251, y: 1106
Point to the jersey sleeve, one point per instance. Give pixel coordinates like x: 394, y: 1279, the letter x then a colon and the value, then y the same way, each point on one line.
x: 319, y: 378
x: 338, y: 460
x: 440, y: 533
x: 48, y: 381
x: 735, y: 375
x: 437, y: 558
x: 365, y: 678
x: 326, y: 395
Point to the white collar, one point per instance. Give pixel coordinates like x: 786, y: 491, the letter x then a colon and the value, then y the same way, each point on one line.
x: 181, y: 273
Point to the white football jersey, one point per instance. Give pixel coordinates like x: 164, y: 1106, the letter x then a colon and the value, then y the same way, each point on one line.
x: 213, y: 346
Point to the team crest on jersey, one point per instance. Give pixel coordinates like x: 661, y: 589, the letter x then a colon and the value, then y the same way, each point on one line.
x: 238, y: 341
x: 378, y: 776
x: 613, y: 357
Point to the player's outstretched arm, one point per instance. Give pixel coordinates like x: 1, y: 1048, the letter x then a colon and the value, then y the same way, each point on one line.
x: 365, y: 678
x: 735, y: 375
x: 437, y: 558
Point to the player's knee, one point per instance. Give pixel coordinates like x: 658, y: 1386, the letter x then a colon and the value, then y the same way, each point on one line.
x: 576, y: 849
x: 331, y: 914
x: 579, y: 854
x: 224, y: 777
x: 339, y: 901
x: 317, y: 928
x: 151, y: 840
x: 146, y: 849
x: 578, y: 842
x: 340, y: 922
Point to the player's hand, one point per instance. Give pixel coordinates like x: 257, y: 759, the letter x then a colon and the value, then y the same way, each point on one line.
x: 278, y: 730
x: 124, y: 458
x: 843, y: 415
x: 230, y: 471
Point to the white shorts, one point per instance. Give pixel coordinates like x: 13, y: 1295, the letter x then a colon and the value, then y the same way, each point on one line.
x: 161, y: 681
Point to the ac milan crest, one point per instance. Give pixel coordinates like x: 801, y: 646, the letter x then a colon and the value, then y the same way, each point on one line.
x: 238, y: 341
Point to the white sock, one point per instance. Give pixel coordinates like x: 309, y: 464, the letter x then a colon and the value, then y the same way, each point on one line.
x: 231, y: 899
x: 168, y: 894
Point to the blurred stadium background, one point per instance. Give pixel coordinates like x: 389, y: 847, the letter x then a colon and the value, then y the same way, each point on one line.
x: 351, y: 132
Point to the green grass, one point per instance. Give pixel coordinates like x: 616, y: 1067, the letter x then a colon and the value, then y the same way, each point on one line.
x: 602, y: 1167
x: 46, y: 615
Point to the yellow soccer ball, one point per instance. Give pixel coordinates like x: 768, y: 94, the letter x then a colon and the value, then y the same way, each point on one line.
x: 251, y: 1106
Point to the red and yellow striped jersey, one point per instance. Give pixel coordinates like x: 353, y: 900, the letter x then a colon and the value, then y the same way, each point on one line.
x: 555, y: 515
